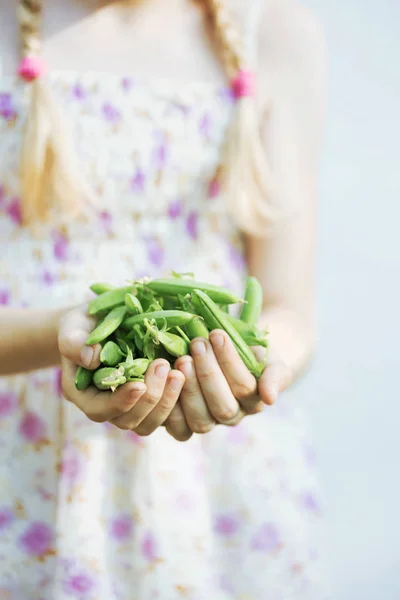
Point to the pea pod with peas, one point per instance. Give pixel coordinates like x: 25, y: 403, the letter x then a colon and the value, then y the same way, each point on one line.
x: 150, y: 318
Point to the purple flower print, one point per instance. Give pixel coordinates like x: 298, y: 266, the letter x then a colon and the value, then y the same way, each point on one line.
x: 111, y: 113
x: 106, y: 221
x: 14, y: 211
x: 2, y: 195
x: 4, y: 297
x: 48, y: 278
x: 121, y: 527
x: 266, y: 539
x: 78, y: 92
x: 236, y: 258
x: 8, y: 403
x: 60, y: 246
x: 226, y: 525
x: 7, y: 109
x: 310, y: 502
x: 79, y: 584
x: 214, y: 189
x: 192, y: 225
x: 127, y: 84
x: 6, y: 517
x: 71, y: 467
x: 155, y: 252
x: 32, y: 428
x: 227, y: 95
x: 137, y: 181
x: 205, y: 125
x: 37, y: 539
x: 175, y: 209
x: 160, y: 155
x: 149, y: 547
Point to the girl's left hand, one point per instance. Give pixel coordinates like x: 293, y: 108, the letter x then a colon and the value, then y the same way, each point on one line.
x: 219, y: 389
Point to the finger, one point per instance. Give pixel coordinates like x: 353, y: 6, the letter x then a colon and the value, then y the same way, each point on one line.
x: 242, y: 383
x: 177, y: 426
x: 219, y: 398
x: 275, y: 379
x: 155, y: 380
x: 163, y: 409
x: 74, y: 329
x: 99, y: 406
x: 194, y: 406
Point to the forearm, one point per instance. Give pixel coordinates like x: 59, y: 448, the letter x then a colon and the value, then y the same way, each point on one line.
x: 28, y: 339
x: 289, y: 339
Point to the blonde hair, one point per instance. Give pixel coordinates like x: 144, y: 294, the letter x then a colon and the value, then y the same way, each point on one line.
x: 49, y: 166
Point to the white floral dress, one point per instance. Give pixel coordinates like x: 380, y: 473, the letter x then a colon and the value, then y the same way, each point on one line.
x: 90, y: 512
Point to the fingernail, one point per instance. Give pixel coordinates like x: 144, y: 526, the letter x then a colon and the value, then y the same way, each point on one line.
x: 218, y: 340
x: 187, y: 368
x: 175, y: 383
x: 199, y: 348
x: 162, y: 371
x: 87, y: 354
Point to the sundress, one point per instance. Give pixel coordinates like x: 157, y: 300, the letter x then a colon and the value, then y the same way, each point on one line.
x: 90, y: 512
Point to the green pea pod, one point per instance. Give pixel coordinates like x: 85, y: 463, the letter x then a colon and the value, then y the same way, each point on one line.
x: 251, y: 310
x: 251, y: 335
x: 174, y: 344
x: 111, y: 354
x: 174, y: 287
x: 83, y: 378
x: 133, y: 304
x: 138, y: 368
x: 173, y: 318
x: 210, y: 319
x: 197, y: 328
x: 100, y: 288
x: 108, y: 300
x: 210, y: 311
x: 109, y: 324
x: 109, y: 378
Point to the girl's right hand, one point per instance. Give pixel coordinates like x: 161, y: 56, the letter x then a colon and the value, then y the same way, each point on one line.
x: 140, y: 407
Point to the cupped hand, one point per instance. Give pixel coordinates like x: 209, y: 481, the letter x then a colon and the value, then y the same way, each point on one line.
x: 137, y: 406
x: 219, y: 389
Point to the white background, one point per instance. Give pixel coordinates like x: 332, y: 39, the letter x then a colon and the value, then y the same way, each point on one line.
x: 352, y: 395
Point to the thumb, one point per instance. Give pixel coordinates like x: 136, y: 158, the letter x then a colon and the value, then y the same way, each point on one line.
x: 74, y: 329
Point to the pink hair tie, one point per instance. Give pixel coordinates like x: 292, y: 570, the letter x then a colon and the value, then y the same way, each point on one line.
x: 243, y: 84
x: 30, y: 68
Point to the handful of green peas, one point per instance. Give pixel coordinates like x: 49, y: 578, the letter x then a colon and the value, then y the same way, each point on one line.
x: 158, y: 318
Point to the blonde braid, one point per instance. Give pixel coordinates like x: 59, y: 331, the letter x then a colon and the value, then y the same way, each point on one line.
x: 246, y: 176
x: 50, y: 177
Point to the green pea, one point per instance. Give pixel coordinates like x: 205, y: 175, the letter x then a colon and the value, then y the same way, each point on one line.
x: 138, y: 368
x: 109, y: 324
x: 83, y: 378
x: 251, y: 310
x: 173, y: 318
x: 100, y: 288
x: 109, y: 378
x: 111, y: 354
x: 133, y: 304
x: 174, y: 287
x: 108, y: 300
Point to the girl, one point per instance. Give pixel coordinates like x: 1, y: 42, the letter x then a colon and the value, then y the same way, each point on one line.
x: 133, y: 141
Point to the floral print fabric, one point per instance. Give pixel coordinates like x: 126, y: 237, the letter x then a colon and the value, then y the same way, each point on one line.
x: 89, y: 512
